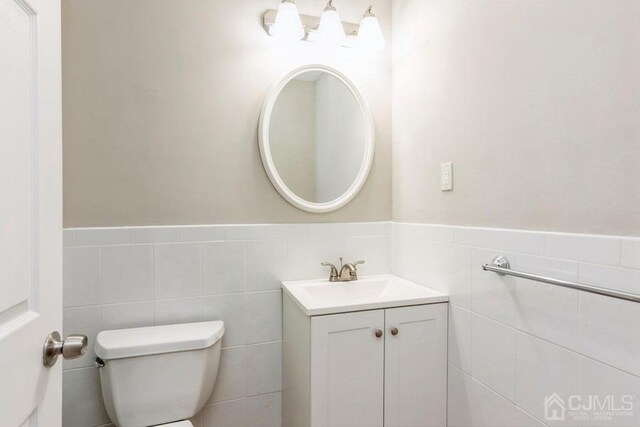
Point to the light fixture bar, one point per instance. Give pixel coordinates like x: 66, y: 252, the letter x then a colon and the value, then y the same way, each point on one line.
x: 310, y: 24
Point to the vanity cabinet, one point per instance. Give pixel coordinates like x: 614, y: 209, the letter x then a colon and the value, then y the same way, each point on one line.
x: 384, y: 367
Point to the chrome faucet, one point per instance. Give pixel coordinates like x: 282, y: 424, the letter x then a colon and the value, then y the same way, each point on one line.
x: 347, y: 273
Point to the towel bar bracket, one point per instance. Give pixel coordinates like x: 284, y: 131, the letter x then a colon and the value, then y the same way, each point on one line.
x: 501, y: 262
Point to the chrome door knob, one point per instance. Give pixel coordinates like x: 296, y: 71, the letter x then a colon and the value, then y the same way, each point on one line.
x: 378, y: 333
x: 394, y: 331
x: 72, y: 347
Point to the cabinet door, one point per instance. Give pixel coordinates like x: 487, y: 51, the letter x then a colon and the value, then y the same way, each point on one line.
x: 416, y: 366
x: 347, y: 370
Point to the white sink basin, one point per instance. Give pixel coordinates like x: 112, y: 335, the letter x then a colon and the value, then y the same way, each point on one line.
x: 317, y: 297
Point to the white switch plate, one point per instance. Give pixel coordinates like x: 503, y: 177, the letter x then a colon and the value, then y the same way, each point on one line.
x: 446, y: 176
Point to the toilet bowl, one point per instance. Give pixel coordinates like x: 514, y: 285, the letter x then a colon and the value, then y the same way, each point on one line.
x: 159, y: 375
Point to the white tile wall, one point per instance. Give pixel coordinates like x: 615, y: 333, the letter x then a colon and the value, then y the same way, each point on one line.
x: 542, y: 369
x: 598, y: 378
x: 631, y: 253
x: 472, y: 404
x: 223, y: 268
x: 266, y: 264
x: 262, y: 316
x: 264, y: 368
x: 467, y: 236
x: 82, y: 398
x: 127, y: 273
x: 596, y: 249
x: 608, y: 331
x: 101, y: 236
x: 264, y: 410
x: 459, y: 341
x: 202, y: 233
x: 225, y: 414
x: 513, y: 341
x: 177, y: 270
x: 154, y: 234
x: 492, y: 361
x: 232, y: 376
x: 523, y: 242
x: 141, y: 276
x: 82, y: 276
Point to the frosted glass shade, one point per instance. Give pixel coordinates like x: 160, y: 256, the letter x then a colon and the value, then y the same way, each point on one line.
x: 287, y: 25
x: 330, y: 30
x: 370, y: 35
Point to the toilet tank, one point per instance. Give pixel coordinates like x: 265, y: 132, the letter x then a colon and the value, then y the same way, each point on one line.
x: 158, y: 374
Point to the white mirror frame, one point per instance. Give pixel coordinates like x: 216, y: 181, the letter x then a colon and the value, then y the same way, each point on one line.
x: 265, y: 150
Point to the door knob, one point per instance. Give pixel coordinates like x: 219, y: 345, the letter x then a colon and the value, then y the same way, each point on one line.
x: 72, y: 347
x: 378, y: 333
x: 394, y: 331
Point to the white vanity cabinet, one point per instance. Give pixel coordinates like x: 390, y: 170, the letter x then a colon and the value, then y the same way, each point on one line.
x: 382, y: 367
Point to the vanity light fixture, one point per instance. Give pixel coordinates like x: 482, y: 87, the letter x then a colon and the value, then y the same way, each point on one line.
x: 370, y: 35
x: 330, y: 29
x: 286, y: 23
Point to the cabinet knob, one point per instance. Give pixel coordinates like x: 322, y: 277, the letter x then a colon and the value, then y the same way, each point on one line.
x: 378, y: 333
x: 394, y: 331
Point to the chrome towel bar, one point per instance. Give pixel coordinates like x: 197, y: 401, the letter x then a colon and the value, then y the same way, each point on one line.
x: 501, y: 266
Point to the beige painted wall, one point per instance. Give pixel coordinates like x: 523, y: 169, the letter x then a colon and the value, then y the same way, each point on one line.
x: 161, y: 100
x: 537, y: 103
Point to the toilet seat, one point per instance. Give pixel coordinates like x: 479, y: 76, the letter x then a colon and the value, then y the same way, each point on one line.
x: 183, y: 423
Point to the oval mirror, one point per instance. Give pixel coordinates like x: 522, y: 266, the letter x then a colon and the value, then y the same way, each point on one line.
x: 316, y: 138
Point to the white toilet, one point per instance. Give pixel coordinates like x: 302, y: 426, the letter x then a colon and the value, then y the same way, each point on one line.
x: 159, y: 375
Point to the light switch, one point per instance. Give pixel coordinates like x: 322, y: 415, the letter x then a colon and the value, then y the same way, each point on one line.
x: 446, y: 176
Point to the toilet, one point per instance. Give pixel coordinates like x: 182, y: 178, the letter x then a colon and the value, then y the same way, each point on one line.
x: 159, y: 375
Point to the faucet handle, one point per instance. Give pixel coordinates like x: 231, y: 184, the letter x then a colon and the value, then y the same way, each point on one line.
x: 355, y: 264
x: 333, y: 276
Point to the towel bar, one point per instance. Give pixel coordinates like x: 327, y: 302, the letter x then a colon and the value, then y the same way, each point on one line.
x: 501, y: 266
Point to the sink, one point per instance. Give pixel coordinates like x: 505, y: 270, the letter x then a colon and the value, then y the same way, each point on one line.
x: 318, y: 297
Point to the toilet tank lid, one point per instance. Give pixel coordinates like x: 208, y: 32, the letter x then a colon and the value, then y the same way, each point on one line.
x: 146, y: 341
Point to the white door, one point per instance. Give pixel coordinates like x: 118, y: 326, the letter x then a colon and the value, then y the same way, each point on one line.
x: 416, y: 366
x: 347, y: 365
x: 30, y: 210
